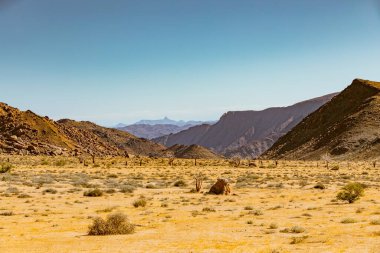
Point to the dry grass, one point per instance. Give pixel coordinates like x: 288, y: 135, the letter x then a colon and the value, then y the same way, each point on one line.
x: 271, y: 209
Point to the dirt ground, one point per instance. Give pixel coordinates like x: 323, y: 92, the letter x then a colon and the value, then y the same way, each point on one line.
x: 271, y: 208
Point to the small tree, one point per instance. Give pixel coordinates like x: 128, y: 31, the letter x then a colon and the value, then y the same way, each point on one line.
x: 351, y: 192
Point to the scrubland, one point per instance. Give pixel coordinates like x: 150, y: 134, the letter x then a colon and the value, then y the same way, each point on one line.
x: 47, y: 204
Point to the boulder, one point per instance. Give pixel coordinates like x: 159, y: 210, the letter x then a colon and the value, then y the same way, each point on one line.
x: 221, y: 187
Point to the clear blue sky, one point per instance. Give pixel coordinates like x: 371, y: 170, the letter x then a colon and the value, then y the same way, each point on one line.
x: 113, y: 61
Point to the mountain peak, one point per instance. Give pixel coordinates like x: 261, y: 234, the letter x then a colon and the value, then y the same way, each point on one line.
x: 367, y: 83
x: 347, y: 127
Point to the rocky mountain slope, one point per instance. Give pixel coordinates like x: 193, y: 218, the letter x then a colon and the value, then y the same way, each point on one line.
x: 27, y: 133
x: 246, y: 133
x: 348, y: 127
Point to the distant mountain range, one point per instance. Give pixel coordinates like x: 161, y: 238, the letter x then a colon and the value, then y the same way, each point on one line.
x: 151, y: 129
x: 164, y: 121
x: 347, y: 127
x: 246, y: 133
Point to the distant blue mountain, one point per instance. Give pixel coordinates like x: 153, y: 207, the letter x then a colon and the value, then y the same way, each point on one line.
x: 167, y: 121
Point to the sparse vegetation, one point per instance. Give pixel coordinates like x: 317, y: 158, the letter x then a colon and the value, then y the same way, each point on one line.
x: 180, y: 183
x: 93, y: 193
x: 255, y: 205
x: 115, y: 224
x: 351, y: 192
x: 5, y: 167
x: 348, y: 221
x: 141, y: 202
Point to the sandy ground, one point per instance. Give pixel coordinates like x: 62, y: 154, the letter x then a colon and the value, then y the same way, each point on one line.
x: 266, y: 200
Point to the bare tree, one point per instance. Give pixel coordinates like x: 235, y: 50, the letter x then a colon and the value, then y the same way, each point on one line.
x: 235, y: 161
x: 198, y: 182
x: 327, y: 158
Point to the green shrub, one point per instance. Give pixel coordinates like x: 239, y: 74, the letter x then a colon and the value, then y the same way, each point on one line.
x: 351, y: 192
x: 93, y: 193
x: 5, y: 167
x: 115, y: 224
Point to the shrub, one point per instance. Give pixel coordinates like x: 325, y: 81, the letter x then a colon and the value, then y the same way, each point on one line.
x: 208, y: 209
x: 127, y: 189
x: 93, y: 193
x: 6, y: 213
x: 141, y: 202
x: 297, y: 240
x: 351, y: 192
x: 320, y: 186
x: 348, y: 221
x: 115, y: 224
x: 375, y: 222
x: 256, y: 212
x: 180, y: 183
x: 50, y: 190
x: 5, y: 167
x: 294, y: 230
x: 273, y: 226
x: 60, y: 163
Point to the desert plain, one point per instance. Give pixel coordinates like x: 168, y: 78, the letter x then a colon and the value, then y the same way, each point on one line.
x: 274, y: 206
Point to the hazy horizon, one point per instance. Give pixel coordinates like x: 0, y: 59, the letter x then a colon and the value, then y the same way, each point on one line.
x: 122, y: 61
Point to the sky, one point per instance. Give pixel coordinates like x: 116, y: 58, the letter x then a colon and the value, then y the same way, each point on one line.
x: 112, y: 61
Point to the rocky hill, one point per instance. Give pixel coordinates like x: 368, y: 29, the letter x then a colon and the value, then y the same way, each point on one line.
x: 27, y: 133
x: 192, y: 151
x: 348, y: 127
x: 246, y: 133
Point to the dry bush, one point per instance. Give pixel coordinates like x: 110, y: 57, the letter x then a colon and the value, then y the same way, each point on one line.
x: 141, y: 202
x: 93, y: 193
x: 180, y: 183
x: 115, y: 224
x: 5, y: 167
x: 348, y: 221
x: 351, y: 192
